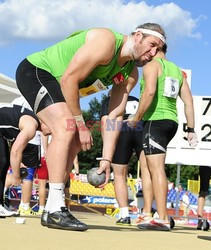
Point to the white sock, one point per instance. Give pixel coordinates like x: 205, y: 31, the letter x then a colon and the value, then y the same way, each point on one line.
x: 120, y: 214
x: 124, y: 212
x: 5, y: 190
x: 48, y: 204
x: 55, y: 197
x: 25, y: 206
x: 41, y: 207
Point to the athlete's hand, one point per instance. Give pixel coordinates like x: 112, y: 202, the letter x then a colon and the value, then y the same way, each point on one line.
x: 104, y: 167
x: 132, y: 121
x: 192, y: 139
x: 85, y: 137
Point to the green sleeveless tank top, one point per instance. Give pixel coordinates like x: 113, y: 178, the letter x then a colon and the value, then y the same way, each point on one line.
x: 56, y: 58
x: 169, y: 83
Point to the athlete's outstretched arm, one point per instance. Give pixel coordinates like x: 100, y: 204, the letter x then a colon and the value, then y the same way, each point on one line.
x: 28, y: 127
x: 98, y: 49
x: 118, y: 101
x: 150, y: 74
x: 187, y: 98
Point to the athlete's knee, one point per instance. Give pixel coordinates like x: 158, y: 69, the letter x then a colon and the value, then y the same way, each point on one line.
x: 62, y: 133
x: 119, y: 172
x: 45, y: 129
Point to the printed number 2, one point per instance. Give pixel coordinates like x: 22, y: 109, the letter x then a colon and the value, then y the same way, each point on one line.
x: 205, y: 138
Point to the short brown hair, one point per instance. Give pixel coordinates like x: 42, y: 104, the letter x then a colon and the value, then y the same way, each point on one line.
x: 164, y: 48
x: 151, y: 26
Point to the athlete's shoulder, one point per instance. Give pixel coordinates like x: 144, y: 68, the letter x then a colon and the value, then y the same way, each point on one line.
x: 104, y: 34
x: 153, y: 63
x: 150, y: 67
x: 27, y: 112
x: 103, y: 41
x: 170, y: 63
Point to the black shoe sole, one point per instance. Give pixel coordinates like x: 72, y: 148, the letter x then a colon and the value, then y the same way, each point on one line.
x: 44, y: 223
x: 16, y: 215
x: 55, y: 226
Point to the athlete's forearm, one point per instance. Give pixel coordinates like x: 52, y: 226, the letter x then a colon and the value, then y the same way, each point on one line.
x: 15, y: 162
x: 144, y: 104
x: 71, y: 94
x: 189, y: 114
x: 103, y: 125
x: 112, y: 128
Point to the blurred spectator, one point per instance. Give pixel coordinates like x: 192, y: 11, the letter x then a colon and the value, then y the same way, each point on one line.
x: 185, y: 203
x: 205, y: 175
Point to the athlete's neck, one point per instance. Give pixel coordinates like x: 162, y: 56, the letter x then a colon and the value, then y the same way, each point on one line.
x: 125, y: 54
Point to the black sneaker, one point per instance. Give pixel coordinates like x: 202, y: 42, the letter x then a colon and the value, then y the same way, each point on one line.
x: 200, y: 222
x: 124, y: 221
x: 44, y: 218
x: 65, y: 220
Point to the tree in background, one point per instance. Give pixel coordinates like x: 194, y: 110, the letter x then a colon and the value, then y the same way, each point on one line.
x: 187, y: 172
x: 87, y: 160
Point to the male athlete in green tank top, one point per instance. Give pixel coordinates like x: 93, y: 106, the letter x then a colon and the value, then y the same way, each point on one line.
x: 53, y: 80
x: 64, y: 51
x: 163, y: 105
x: 161, y: 84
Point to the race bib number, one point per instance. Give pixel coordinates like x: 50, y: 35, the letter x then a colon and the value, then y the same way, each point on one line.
x: 118, y: 78
x: 97, y: 86
x: 171, y: 88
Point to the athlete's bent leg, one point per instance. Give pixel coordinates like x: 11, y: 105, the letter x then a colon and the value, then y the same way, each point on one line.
x: 55, y: 117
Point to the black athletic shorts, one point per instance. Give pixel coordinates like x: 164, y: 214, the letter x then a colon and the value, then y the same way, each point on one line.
x: 130, y: 140
x: 32, y: 156
x: 38, y: 86
x: 205, y: 175
x: 157, y: 135
x: 4, y: 159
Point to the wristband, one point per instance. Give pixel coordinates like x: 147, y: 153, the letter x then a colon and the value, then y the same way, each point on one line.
x: 79, y: 119
x: 106, y: 160
x: 190, y: 130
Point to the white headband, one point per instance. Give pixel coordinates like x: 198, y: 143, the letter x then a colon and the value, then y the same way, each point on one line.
x: 153, y: 33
